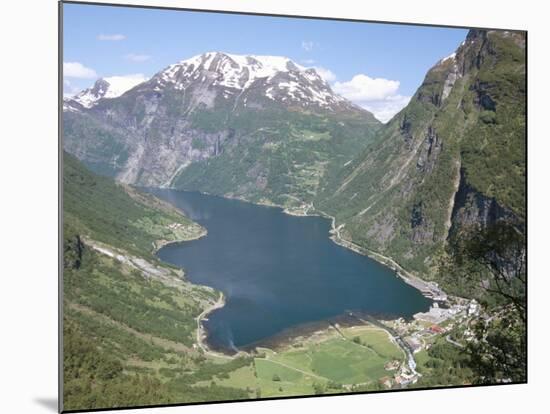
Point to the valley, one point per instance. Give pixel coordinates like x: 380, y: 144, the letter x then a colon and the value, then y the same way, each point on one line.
x: 235, y: 229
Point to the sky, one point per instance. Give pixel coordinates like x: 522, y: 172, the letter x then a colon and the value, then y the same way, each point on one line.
x: 378, y: 66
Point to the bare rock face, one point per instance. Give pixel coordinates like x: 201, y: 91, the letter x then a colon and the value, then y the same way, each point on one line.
x: 429, y: 151
x: 472, y: 208
x: 422, y: 229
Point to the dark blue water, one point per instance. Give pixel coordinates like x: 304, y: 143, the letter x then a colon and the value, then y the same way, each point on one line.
x: 278, y: 271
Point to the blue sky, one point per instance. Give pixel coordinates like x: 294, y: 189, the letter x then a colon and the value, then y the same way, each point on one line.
x: 379, y: 66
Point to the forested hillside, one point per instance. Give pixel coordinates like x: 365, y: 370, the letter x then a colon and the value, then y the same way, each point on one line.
x: 455, y: 156
x: 129, y: 321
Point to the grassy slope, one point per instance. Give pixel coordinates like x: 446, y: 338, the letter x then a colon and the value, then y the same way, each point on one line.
x: 327, y: 363
x: 96, y: 206
x: 125, y: 329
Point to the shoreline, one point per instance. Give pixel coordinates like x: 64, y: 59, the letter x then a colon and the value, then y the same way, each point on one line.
x: 427, y: 289
x: 307, y: 330
x: 159, y: 244
x: 201, y: 332
x: 220, y: 302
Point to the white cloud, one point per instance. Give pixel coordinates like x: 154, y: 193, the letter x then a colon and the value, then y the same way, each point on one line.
x: 385, y: 109
x: 111, y: 37
x: 123, y: 83
x: 364, y: 88
x: 137, y: 57
x: 377, y: 95
x: 132, y: 77
x: 78, y: 70
x: 308, y: 61
x: 69, y: 89
x: 326, y: 74
x: 307, y: 45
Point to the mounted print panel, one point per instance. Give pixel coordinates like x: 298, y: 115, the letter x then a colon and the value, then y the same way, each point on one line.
x: 261, y: 206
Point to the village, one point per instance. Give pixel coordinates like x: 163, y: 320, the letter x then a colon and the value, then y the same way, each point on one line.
x: 422, y: 331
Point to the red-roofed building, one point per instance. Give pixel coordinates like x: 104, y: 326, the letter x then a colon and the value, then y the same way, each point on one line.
x: 436, y: 329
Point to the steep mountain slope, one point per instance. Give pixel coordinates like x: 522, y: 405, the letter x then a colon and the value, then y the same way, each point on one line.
x: 116, y: 214
x: 278, y: 156
x: 454, y: 156
x: 258, y: 127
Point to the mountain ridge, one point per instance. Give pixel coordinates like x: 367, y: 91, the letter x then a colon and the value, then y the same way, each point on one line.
x: 234, y: 72
x: 104, y: 88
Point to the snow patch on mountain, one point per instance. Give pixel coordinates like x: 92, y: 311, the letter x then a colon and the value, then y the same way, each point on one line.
x: 118, y: 85
x: 108, y: 88
x: 239, y: 71
x: 451, y: 56
x: 281, y: 78
x: 70, y: 105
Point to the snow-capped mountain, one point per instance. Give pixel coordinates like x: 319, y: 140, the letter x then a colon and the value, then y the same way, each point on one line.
x: 277, y: 78
x: 111, y: 87
x: 241, y: 80
x: 222, y: 106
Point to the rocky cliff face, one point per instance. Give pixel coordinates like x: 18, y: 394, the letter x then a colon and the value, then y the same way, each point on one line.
x: 214, y: 110
x: 455, y: 156
x: 473, y: 208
